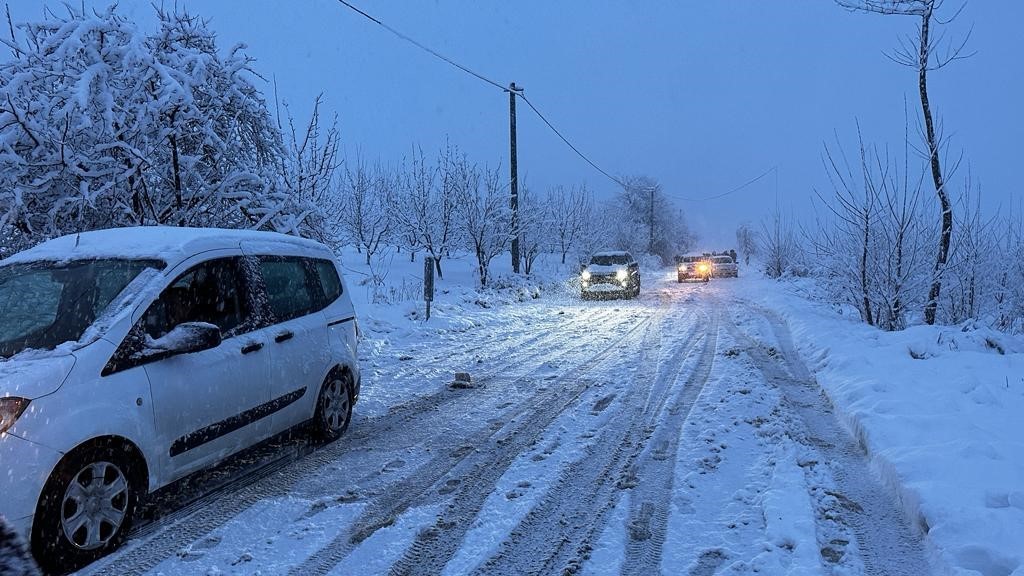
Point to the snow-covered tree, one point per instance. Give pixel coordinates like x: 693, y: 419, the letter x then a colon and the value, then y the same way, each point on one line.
x: 648, y: 221
x: 365, y: 218
x: 424, y: 208
x: 570, y: 212
x: 103, y: 125
x: 746, y: 240
x: 535, y: 229
x: 484, y: 214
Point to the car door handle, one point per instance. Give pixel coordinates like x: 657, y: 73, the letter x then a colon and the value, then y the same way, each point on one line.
x: 252, y: 347
x: 286, y: 335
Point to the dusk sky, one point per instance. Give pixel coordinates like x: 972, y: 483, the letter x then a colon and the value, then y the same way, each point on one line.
x: 702, y: 96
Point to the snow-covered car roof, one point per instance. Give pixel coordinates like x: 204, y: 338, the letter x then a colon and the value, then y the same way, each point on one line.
x: 166, y: 243
x: 612, y: 253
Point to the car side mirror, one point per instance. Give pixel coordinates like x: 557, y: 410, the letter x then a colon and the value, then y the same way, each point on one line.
x: 184, y: 338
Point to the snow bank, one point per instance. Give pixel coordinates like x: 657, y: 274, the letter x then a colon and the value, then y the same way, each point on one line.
x: 941, y: 412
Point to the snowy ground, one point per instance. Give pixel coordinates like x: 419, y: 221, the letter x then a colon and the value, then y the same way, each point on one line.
x: 679, y: 433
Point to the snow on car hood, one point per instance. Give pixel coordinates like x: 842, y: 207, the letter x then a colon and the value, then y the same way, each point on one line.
x: 31, y: 377
x: 603, y: 270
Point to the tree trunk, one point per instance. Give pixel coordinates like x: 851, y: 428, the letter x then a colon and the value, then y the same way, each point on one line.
x: 437, y: 267
x: 178, y: 200
x: 864, y: 270
x: 940, y: 188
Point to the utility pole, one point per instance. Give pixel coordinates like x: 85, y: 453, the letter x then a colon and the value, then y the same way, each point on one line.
x: 650, y: 242
x: 514, y: 201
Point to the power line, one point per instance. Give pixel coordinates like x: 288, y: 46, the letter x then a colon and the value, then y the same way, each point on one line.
x: 536, y: 111
x: 485, y: 79
x: 425, y: 48
x: 569, y: 144
x: 734, y: 190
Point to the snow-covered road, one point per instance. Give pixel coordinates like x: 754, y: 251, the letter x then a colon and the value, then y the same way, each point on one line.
x: 679, y: 433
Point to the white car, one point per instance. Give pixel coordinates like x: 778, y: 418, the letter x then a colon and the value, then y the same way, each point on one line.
x: 130, y: 358
x: 609, y: 274
x: 723, y: 266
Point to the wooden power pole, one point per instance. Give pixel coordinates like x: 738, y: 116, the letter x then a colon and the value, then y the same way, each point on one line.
x: 514, y: 201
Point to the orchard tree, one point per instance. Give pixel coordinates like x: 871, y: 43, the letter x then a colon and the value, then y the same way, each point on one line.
x: 570, y: 213
x: 484, y: 214
x: 925, y: 53
x: 746, y: 240
x: 365, y: 218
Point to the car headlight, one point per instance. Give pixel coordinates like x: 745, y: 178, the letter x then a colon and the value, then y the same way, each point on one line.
x: 586, y: 275
x: 682, y: 267
x: 622, y: 274
x: 703, y: 267
x: 11, y: 407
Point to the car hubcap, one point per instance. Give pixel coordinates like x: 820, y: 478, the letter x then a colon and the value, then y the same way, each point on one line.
x: 335, y: 404
x: 95, y: 505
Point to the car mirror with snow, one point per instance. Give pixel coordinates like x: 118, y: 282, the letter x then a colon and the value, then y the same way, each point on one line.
x: 184, y: 338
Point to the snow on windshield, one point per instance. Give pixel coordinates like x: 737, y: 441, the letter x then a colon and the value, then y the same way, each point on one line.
x: 45, y: 304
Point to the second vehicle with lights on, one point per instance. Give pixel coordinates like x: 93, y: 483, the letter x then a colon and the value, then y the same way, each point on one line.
x: 611, y: 274
x: 693, y: 267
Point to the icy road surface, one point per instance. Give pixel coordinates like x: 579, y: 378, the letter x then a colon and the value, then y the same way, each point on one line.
x: 678, y: 433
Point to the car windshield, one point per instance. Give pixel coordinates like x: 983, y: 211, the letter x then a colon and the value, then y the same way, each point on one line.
x: 691, y: 259
x: 45, y: 304
x: 609, y: 259
x: 723, y: 260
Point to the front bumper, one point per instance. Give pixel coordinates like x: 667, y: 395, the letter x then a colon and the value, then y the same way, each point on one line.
x: 24, y: 468
x: 606, y: 289
x: 684, y: 276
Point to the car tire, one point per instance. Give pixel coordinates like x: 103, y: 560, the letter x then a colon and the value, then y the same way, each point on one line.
x: 333, y: 406
x: 87, y: 506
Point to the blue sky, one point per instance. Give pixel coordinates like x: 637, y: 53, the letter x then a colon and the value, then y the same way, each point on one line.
x: 702, y: 96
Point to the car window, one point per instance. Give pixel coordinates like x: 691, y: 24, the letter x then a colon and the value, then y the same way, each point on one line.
x: 329, y: 281
x: 292, y: 291
x: 213, y: 292
x: 723, y: 260
x: 45, y: 304
x: 609, y: 260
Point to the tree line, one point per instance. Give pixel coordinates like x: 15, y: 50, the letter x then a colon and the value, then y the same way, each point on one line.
x: 901, y: 237
x: 104, y: 125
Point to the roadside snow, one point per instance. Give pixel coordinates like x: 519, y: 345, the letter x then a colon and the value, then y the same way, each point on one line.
x: 939, y: 410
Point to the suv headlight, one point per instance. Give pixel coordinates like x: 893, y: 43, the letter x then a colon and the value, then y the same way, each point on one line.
x: 11, y: 407
x: 621, y: 274
x: 586, y: 274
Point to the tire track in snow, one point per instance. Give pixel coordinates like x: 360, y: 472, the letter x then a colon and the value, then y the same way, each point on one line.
x: 502, y: 447
x: 578, y: 503
x: 278, y: 477
x: 887, y: 542
x: 650, y: 502
x: 435, y: 547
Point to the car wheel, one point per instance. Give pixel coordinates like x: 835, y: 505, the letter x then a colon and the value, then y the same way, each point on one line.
x: 333, y: 406
x: 86, y: 507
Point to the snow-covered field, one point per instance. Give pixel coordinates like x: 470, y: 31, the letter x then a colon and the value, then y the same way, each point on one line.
x: 684, y: 432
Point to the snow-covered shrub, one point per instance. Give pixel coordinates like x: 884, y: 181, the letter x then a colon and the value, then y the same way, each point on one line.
x: 104, y: 125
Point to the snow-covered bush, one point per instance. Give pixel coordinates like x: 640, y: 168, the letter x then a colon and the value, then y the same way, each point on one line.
x: 104, y: 125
